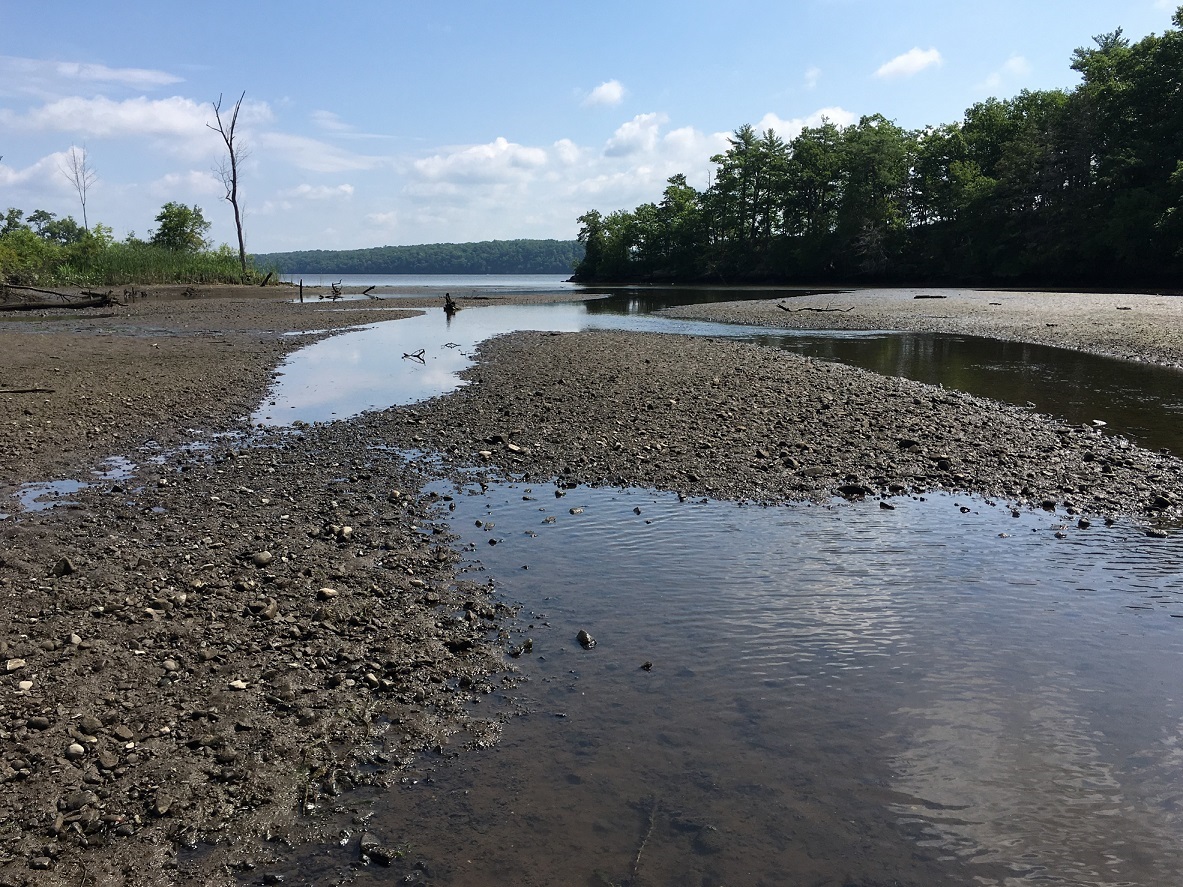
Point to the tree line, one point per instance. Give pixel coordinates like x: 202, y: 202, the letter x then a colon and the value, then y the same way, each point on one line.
x: 1050, y: 187
x: 41, y: 249
x: 486, y: 257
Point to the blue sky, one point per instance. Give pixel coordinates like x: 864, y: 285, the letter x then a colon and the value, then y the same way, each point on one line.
x: 371, y: 123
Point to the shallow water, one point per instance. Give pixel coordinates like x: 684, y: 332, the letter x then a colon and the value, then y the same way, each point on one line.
x: 375, y: 367
x: 935, y: 694
x: 836, y: 693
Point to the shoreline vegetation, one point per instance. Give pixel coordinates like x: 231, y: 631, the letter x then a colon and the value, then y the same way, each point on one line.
x: 204, y: 662
x: 1051, y: 188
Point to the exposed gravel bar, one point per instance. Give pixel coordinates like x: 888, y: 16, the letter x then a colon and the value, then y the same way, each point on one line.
x: 735, y: 421
x: 1133, y: 326
x: 206, y: 653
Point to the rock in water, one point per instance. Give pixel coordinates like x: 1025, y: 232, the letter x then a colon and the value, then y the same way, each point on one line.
x: 585, y: 640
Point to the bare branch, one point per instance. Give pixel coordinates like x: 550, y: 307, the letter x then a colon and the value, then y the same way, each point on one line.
x: 80, y: 174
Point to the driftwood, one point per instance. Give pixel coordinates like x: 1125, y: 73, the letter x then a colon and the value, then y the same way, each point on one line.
x: 99, y: 302
x: 417, y: 355
x: 26, y: 390
x: 818, y: 310
x: 929, y: 297
x: 93, y: 300
x: 267, y: 278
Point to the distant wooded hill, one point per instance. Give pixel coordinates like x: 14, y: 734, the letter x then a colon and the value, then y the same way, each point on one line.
x: 486, y: 257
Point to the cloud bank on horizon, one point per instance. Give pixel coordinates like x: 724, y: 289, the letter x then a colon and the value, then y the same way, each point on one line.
x: 463, y: 124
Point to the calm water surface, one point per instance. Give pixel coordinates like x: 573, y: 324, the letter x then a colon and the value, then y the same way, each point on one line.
x: 839, y: 695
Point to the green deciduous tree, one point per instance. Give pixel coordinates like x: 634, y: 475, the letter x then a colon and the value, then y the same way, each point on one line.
x: 180, y: 228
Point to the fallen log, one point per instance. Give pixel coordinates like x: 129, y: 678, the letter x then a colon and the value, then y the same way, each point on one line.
x: 26, y: 390
x: 100, y: 302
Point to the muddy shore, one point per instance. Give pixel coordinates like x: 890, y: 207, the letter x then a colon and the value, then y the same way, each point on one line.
x: 210, y: 651
x: 1132, y: 326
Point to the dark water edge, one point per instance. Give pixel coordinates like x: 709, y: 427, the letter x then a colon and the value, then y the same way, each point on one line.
x: 838, y: 695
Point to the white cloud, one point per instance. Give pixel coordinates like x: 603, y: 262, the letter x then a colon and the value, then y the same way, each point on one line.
x: 45, y: 173
x: 495, y: 161
x: 48, y: 79
x: 637, y: 135
x: 383, y: 220
x: 100, y: 117
x: 1013, y: 69
x: 911, y: 62
x: 567, y: 152
x: 313, y: 155
x: 789, y: 129
x: 329, y: 122
x: 812, y: 76
x: 185, y: 186
x: 318, y: 192
x: 609, y: 93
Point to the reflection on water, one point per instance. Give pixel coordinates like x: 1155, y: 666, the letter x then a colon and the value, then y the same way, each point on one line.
x: 371, y: 368
x: 837, y: 695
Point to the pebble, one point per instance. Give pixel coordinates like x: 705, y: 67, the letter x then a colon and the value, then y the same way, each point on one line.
x: 80, y: 799
x: 14, y: 664
x: 74, y: 751
x: 262, y: 558
x: 90, y: 725
x: 585, y: 640
x: 238, y: 684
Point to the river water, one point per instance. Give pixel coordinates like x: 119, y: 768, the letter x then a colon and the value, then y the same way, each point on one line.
x: 845, y: 695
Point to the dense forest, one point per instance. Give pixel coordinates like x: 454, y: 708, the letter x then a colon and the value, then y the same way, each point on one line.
x: 1050, y: 187
x: 487, y: 257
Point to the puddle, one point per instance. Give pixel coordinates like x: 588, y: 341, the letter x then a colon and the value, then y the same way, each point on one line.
x: 406, y: 361
x: 43, y: 495
x: 837, y: 695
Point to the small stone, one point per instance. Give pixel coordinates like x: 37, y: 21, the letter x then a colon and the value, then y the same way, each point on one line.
x: 327, y: 594
x: 78, y: 800
x: 1155, y: 533
x: 14, y: 664
x: 64, y: 567
x: 238, y: 684
x: 374, y: 851
x: 171, y: 665
x: 1083, y: 523
x: 585, y: 640
x: 38, y: 722
x: 25, y: 686
x: 90, y: 725
x: 75, y: 751
x: 40, y: 862
x: 123, y: 733
x: 262, y: 558
x: 75, y: 640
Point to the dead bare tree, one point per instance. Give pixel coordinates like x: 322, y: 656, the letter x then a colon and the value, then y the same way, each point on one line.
x: 81, y: 175
x: 228, y: 168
